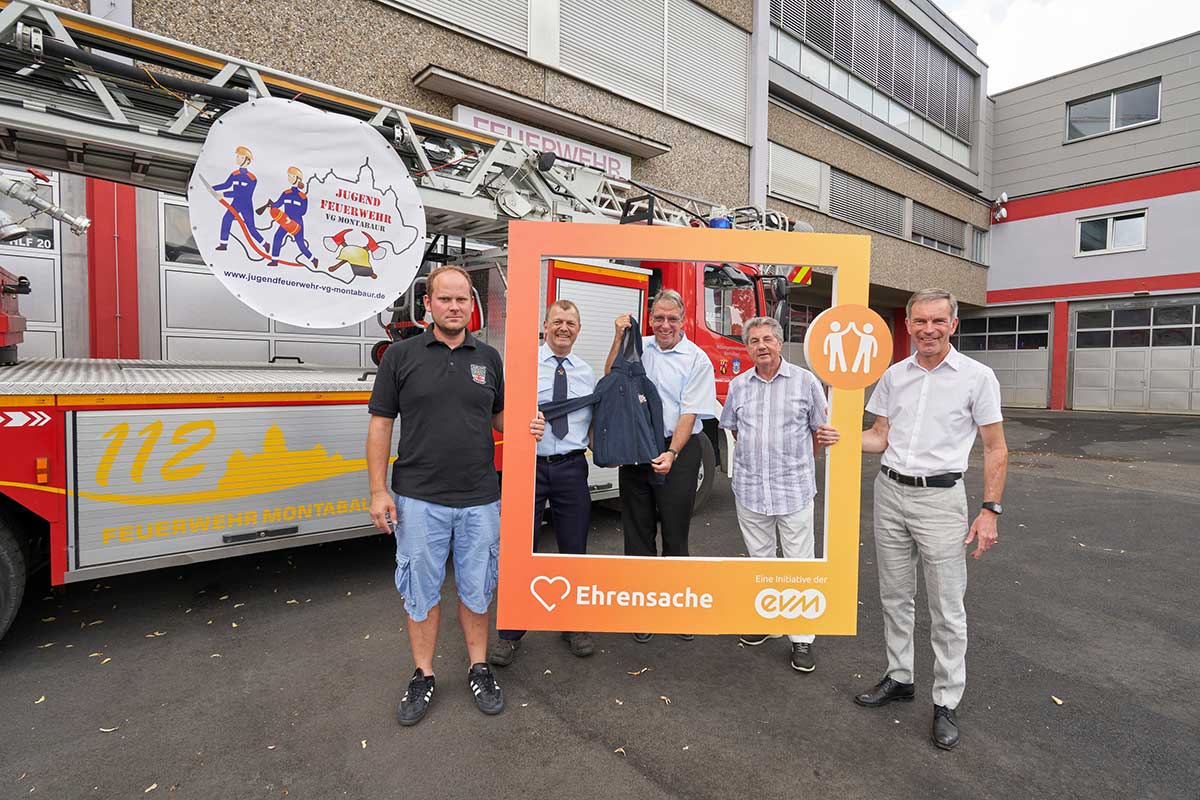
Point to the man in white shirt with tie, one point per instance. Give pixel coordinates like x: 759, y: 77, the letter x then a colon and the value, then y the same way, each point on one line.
x: 562, y: 465
x: 928, y: 408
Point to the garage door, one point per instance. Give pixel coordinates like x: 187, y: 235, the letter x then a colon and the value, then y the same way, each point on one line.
x: 1017, y: 348
x: 1142, y: 356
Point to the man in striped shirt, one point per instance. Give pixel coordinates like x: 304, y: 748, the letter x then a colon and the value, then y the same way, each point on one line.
x: 778, y: 414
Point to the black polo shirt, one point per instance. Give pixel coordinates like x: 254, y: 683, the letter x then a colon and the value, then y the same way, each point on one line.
x: 445, y: 400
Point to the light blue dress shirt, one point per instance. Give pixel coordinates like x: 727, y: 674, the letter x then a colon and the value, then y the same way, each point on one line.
x: 580, y: 382
x: 684, y: 378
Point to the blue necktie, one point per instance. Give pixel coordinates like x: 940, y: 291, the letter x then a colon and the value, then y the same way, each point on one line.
x: 558, y: 425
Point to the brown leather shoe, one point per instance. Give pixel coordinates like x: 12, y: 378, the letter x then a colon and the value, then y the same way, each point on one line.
x: 945, y: 728
x: 885, y: 692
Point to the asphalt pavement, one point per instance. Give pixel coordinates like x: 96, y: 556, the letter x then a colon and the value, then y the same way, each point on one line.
x: 277, y: 675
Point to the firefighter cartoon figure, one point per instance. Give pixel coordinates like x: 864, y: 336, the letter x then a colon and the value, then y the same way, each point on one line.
x: 238, y: 190
x: 358, y: 249
x: 288, y: 214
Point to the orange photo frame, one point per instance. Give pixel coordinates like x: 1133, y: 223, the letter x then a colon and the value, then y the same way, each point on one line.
x: 602, y: 593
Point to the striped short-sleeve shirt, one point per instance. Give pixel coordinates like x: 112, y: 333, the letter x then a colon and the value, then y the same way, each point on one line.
x: 773, y: 467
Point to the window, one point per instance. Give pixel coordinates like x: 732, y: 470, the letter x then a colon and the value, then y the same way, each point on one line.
x: 1003, y: 332
x: 869, y: 39
x: 866, y: 204
x: 729, y: 300
x: 1111, y: 234
x: 40, y: 226
x: 1116, y: 110
x: 1170, y: 325
x: 794, y: 175
x: 979, y: 246
x: 178, y: 245
x: 940, y: 231
x: 799, y: 318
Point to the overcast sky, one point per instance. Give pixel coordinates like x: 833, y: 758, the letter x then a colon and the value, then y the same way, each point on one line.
x: 1026, y: 40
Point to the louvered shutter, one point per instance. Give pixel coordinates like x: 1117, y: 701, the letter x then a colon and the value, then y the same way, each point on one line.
x: 843, y: 32
x: 708, y: 69
x: 887, y: 25
x: 936, y: 225
x: 616, y: 43
x: 871, y: 206
x: 794, y: 175
x: 866, y: 38
x: 906, y: 39
x: 792, y: 16
x: 819, y: 24
x: 505, y: 21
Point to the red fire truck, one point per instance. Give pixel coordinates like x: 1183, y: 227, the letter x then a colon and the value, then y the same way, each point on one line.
x: 112, y: 466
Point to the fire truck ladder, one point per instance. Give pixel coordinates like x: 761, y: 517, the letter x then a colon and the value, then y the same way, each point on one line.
x: 84, y: 95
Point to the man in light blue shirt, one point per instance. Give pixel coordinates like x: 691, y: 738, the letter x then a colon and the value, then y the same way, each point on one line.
x: 683, y: 375
x: 562, y: 465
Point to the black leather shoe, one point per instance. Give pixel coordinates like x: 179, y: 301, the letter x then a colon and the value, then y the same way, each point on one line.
x: 945, y: 728
x: 885, y: 692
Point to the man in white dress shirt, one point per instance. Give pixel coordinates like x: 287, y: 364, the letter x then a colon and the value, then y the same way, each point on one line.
x: 928, y: 408
x: 778, y: 414
x: 562, y: 465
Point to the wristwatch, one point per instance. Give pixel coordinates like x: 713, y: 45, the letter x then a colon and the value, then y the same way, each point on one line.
x: 673, y: 452
x: 993, y: 507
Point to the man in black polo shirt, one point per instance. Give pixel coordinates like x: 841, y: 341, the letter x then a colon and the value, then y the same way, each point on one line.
x: 447, y: 387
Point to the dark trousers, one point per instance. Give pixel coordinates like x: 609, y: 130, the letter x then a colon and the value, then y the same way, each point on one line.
x: 564, y: 485
x: 646, y: 505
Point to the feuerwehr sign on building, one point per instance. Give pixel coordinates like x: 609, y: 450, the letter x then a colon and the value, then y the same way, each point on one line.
x: 308, y: 217
x: 615, y: 164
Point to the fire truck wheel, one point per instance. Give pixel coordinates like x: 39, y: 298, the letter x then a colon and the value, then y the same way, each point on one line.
x: 708, y: 469
x: 377, y: 351
x: 12, y: 572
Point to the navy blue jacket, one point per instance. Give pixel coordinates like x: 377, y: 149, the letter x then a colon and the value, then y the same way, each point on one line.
x: 627, y: 423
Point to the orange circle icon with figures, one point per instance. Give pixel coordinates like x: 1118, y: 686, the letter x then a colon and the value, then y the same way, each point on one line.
x: 848, y: 346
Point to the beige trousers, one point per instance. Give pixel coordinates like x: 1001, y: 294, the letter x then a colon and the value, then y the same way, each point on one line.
x: 927, y: 526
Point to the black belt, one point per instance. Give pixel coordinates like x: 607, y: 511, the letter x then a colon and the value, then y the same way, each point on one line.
x: 558, y: 458
x: 943, y: 481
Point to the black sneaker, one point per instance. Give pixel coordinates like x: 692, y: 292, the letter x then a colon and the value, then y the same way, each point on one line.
x: 802, y: 657
x: 503, y: 652
x: 488, y: 695
x: 642, y: 638
x: 755, y: 639
x: 416, y: 700
x: 687, y: 637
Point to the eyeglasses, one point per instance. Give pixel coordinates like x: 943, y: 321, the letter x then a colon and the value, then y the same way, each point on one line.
x: 657, y: 320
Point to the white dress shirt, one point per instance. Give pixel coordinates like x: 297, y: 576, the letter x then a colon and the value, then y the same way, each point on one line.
x: 684, y: 378
x: 934, y: 414
x: 580, y: 382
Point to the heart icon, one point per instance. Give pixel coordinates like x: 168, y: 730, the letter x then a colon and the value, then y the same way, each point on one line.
x: 549, y: 582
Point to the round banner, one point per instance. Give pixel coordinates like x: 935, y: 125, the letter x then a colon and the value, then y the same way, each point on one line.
x: 308, y: 217
x: 848, y: 346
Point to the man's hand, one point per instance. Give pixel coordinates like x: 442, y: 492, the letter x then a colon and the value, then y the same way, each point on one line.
x: 624, y: 321
x: 827, y: 435
x: 662, y: 465
x: 984, y: 527
x: 383, y: 511
x: 537, y: 426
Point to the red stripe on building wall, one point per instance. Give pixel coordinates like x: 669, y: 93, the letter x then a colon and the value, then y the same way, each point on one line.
x: 112, y: 270
x: 1104, y: 194
x: 1058, y: 348
x: 900, y: 344
x: 1155, y: 283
